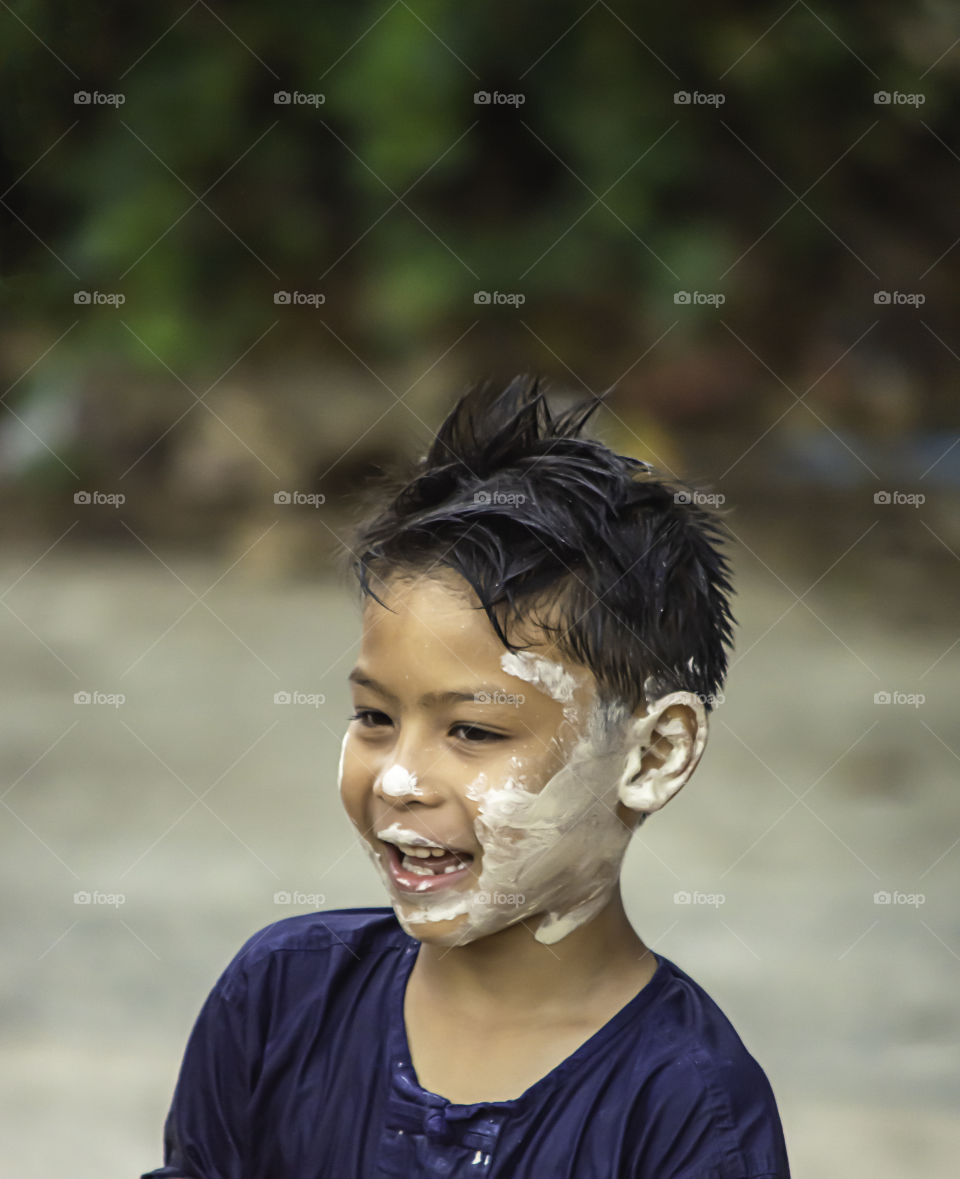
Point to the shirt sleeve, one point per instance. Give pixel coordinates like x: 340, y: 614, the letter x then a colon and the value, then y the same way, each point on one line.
x: 204, y: 1132
x: 717, y: 1121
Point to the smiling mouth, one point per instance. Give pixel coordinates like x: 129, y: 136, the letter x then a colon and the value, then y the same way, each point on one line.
x: 424, y: 868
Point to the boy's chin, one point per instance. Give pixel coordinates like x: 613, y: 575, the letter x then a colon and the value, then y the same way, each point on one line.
x: 448, y: 931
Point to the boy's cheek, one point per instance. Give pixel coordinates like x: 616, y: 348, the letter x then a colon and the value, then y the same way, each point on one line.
x: 355, y: 777
x: 529, y: 771
x: 359, y: 764
x: 348, y: 796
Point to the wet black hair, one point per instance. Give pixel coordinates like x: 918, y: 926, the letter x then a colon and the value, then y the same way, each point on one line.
x: 621, y: 568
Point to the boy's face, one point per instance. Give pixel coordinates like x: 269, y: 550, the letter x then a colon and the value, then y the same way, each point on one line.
x: 478, y: 779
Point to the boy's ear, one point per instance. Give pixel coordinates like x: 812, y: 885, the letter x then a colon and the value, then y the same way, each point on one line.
x: 663, y: 749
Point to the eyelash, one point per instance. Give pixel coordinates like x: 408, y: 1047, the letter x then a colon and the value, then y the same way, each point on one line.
x: 488, y: 736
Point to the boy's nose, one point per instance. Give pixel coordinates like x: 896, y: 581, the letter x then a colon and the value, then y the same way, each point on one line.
x: 396, y: 783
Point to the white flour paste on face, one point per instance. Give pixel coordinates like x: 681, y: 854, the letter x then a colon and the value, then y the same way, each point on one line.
x: 551, y: 678
x: 555, y: 853
x: 398, y: 834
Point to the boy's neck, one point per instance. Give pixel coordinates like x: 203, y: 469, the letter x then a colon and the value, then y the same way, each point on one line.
x: 519, y: 976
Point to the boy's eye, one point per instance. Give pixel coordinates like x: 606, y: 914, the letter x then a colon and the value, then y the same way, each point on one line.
x: 475, y: 734
x: 370, y: 718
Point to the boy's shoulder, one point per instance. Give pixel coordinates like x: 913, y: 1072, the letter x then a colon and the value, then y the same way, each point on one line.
x: 698, y: 1077
x: 688, y: 1009
x: 328, y: 936
x: 695, y: 1036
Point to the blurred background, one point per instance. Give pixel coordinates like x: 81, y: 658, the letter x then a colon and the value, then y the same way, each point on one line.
x: 250, y: 255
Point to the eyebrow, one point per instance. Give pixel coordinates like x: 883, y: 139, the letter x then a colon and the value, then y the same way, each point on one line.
x: 428, y: 699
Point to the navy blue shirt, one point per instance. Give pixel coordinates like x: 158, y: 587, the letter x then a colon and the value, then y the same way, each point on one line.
x: 298, y: 1068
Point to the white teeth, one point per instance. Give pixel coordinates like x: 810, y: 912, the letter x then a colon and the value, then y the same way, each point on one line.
x: 417, y: 869
x: 420, y: 852
x: 420, y: 869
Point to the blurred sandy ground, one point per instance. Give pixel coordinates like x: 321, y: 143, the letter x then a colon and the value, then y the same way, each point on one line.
x: 200, y: 798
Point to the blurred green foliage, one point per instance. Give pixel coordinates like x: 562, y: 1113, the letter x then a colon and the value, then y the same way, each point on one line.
x: 399, y: 197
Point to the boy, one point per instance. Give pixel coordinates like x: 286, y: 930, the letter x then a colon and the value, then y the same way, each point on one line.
x: 543, y: 622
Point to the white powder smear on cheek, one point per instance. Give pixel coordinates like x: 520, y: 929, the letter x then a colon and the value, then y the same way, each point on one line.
x: 478, y: 787
x: 548, y: 677
x: 560, y: 849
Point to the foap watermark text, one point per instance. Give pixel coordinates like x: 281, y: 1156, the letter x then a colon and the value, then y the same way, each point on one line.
x: 712, y: 499
x: 112, y: 499
x: 111, y: 699
x: 913, y: 699
x: 313, y: 699
x: 497, y: 98
x: 713, y: 899
x: 297, y: 98
x: 310, y: 499
x: 912, y: 499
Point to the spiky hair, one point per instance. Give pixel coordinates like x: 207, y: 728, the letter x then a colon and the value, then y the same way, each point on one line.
x: 622, y: 569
